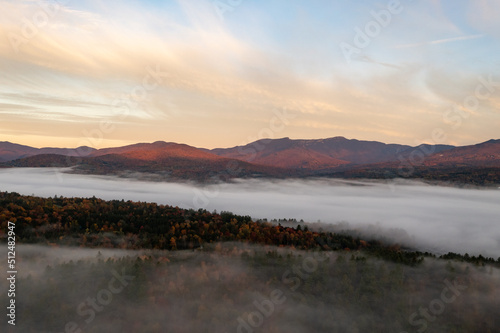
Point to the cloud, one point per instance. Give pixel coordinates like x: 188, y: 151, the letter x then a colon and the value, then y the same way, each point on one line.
x: 439, y: 41
x: 483, y: 16
x: 370, y: 60
x: 219, y: 74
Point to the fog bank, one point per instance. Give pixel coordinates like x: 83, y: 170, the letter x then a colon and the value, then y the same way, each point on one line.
x: 227, y: 287
x: 437, y: 218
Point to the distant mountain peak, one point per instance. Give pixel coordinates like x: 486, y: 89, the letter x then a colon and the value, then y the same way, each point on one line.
x: 159, y: 143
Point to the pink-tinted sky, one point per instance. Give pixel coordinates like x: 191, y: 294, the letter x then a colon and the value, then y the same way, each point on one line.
x: 223, y: 73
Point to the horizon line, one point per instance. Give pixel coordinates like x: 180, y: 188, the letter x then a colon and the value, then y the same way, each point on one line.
x: 181, y: 143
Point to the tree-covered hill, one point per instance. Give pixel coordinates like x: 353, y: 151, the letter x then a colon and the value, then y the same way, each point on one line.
x: 93, y: 222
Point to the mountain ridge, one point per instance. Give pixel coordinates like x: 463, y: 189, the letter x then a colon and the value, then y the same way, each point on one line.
x: 335, y: 150
x: 11, y: 151
x: 276, y: 158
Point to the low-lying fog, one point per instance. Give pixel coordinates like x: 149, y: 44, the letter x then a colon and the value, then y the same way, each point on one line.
x: 436, y: 218
x: 222, y: 290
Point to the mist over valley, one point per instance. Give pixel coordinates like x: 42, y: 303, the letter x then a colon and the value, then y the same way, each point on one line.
x: 431, y: 218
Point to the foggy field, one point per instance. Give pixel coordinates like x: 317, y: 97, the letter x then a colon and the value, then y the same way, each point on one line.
x: 229, y: 288
x: 434, y: 218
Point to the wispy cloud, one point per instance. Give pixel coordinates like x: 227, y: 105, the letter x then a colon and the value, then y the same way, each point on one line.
x: 367, y: 59
x: 439, y: 41
x: 221, y: 74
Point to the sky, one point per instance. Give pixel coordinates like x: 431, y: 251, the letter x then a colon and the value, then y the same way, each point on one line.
x: 225, y: 73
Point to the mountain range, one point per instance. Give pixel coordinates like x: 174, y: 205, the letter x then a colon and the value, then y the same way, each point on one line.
x: 277, y: 158
x: 12, y: 151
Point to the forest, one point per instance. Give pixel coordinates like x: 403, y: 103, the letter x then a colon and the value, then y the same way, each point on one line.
x: 185, y: 270
x: 93, y: 222
x: 456, y: 176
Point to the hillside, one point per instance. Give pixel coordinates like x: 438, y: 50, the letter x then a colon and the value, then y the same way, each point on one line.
x: 318, y: 154
x: 486, y: 154
x: 276, y: 158
x: 475, y: 165
x: 158, y: 150
x: 158, y: 161
x: 11, y: 151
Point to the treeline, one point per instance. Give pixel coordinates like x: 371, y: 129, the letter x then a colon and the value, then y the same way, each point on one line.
x: 465, y: 175
x: 167, y: 169
x: 93, y: 222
